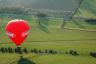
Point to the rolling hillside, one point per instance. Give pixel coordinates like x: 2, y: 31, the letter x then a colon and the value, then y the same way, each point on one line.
x: 88, y: 9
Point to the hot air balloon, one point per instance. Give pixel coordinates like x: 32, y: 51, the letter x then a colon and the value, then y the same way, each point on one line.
x: 17, y: 30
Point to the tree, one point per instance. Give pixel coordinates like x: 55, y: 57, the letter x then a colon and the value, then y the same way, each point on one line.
x: 42, y: 21
x: 25, y: 51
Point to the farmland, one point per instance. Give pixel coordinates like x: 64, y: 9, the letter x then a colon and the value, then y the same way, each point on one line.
x: 72, y: 37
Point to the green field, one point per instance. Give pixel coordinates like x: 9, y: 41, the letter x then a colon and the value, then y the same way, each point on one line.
x: 61, y: 40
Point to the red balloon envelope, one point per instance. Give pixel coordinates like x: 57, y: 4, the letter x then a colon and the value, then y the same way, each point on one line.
x: 17, y: 30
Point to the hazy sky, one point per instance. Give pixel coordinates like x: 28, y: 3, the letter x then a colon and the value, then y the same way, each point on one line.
x: 63, y: 5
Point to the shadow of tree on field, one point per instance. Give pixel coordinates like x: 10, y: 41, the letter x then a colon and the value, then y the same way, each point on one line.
x: 91, y: 21
x: 25, y: 61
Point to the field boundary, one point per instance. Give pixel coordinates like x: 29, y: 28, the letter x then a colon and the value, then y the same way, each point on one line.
x: 79, y: 29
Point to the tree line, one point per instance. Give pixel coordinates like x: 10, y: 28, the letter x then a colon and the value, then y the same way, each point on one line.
x: 19, y: 50
x: 14, y: 10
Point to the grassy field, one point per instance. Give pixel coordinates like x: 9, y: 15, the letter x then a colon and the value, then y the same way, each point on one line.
x: 61, y: 40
